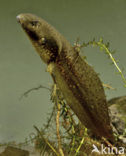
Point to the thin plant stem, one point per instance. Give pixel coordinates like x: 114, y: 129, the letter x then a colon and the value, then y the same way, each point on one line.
x: 57, y: 129
x: 46, y: 141
x: 81, y: 143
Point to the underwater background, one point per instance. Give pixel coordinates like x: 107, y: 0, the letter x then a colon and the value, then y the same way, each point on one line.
x: 21, y: 68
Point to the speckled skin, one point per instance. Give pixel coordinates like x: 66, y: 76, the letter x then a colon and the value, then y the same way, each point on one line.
x: 78, y: 82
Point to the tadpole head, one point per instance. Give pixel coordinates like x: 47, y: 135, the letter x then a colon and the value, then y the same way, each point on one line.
x: 43, y: 36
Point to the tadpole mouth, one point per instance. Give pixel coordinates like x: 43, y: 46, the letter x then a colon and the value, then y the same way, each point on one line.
x: 23, y: 20
x: 20, y: 18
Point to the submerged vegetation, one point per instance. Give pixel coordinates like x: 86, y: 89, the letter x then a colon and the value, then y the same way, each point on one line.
x: 63, y: 134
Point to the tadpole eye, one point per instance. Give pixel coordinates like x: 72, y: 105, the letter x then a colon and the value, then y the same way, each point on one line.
x: 34, y: 23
